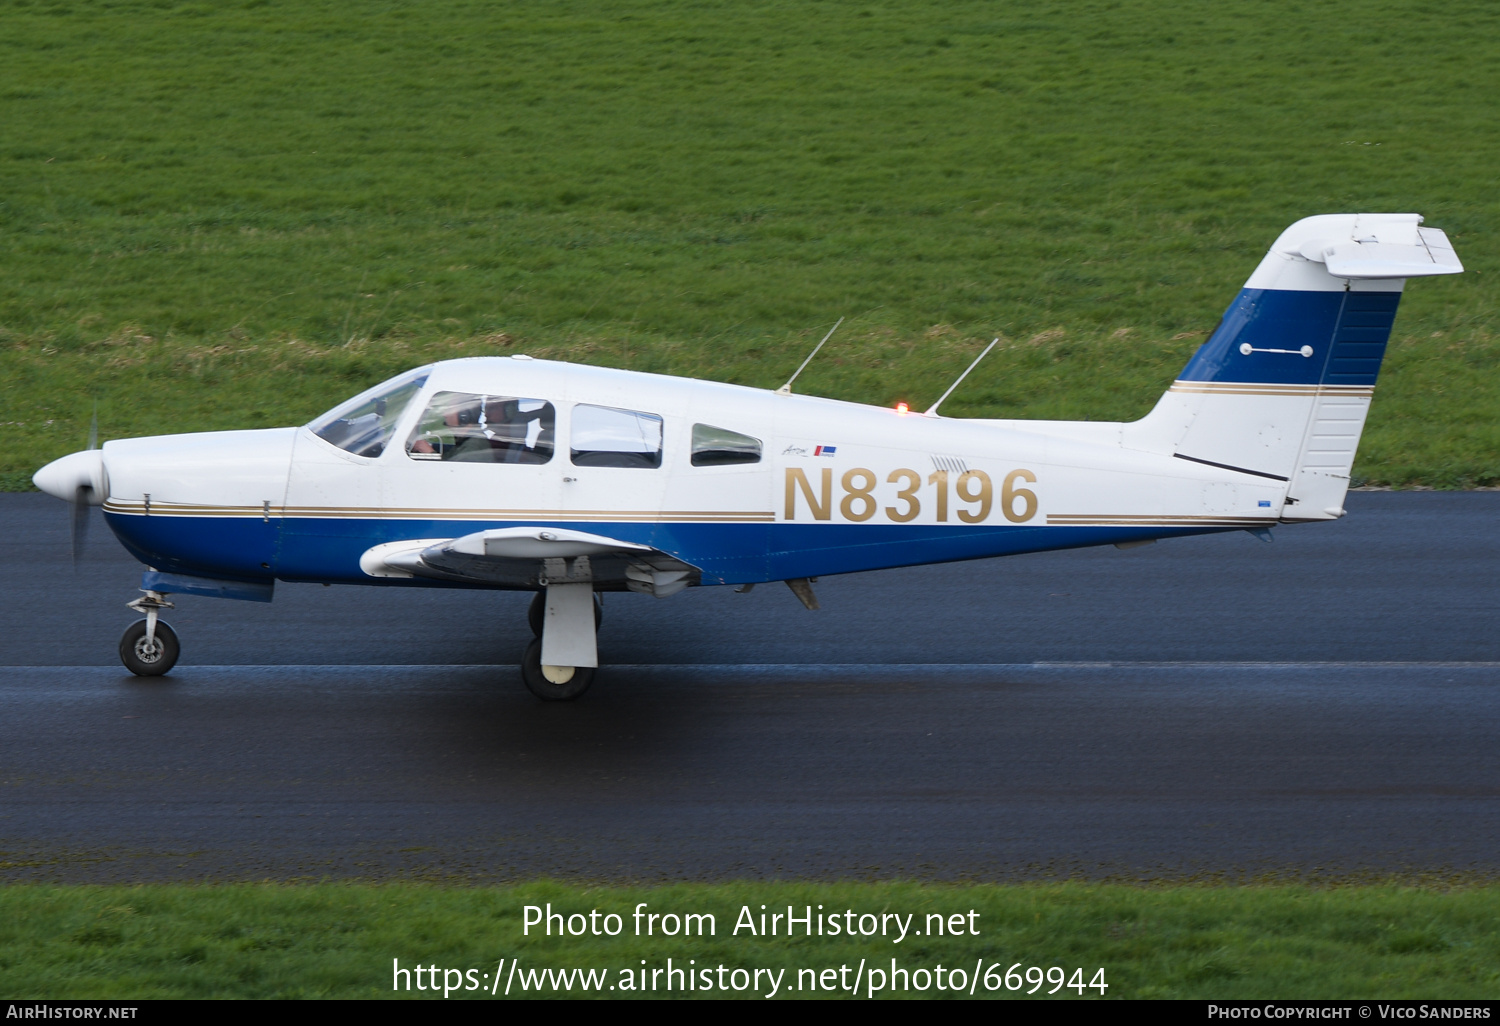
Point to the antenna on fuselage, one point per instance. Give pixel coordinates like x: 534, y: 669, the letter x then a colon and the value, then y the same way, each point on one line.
x: 932, y: 410
x: 786, y: 389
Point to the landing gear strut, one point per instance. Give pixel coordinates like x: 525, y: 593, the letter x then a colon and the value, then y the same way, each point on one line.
x: 536, y: 613
x: 559, y: 665
x: 149, y: 647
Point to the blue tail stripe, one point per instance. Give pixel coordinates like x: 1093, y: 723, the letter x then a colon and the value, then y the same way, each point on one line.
x: 1347, y: 331
x: 1360, y: 339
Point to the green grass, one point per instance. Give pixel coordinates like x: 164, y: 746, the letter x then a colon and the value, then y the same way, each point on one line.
x: 332, y: 940
x: 237, y: 214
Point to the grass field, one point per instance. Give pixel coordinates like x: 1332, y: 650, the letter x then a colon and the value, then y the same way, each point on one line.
x: 339, y: 940
x: 217, y: 215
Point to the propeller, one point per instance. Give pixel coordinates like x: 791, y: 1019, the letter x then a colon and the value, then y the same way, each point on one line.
x: 82, y: 496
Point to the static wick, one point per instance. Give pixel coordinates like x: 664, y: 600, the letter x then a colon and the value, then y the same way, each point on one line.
x: 932, y: 410
x: 786, y: 389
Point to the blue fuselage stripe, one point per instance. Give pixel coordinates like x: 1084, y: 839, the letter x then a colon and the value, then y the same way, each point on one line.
x: 328, y: 549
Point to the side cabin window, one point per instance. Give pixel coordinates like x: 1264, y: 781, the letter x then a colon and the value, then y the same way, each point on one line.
x: 607, y: 437
x: 717, y: 447
x: 364, y: 424
x: 466, y: 427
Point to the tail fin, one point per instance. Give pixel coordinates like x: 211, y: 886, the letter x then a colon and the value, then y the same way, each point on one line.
x: 1281, y: 388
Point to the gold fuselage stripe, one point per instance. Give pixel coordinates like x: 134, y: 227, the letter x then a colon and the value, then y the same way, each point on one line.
x: 1243, y: 388
x: 182, y: 509
x: 1152, y: 520
x: 166, y: 509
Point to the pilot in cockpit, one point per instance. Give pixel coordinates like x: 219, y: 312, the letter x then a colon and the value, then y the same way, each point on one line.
x: 507, y: 427
x: 488, y: 429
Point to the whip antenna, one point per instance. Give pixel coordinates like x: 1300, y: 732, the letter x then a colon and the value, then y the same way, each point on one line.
x: 786, y: 389
x: 932, y: 410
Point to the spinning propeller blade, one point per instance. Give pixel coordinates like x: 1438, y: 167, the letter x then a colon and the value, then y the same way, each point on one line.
x: 81, y: 496
x: 80, y: 513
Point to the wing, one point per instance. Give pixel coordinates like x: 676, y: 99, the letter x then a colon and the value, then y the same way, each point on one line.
x: 533, y: 557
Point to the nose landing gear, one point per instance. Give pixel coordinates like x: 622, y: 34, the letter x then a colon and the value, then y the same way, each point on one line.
x: 149, y: 647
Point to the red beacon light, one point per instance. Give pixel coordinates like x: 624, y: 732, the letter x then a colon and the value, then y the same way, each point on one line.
x: 902, y: 407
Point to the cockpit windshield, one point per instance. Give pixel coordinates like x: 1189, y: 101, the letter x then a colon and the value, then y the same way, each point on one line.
x: 365, y: 424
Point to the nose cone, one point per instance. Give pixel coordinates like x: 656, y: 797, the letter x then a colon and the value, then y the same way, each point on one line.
x: 64, y: 477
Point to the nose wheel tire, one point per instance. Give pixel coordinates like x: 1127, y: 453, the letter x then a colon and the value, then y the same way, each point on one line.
x: 538, y: 610
x: 149, y: 659
x: 538, y: 678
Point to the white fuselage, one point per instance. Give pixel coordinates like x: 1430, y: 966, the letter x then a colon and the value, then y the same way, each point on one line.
x: 838, y: 486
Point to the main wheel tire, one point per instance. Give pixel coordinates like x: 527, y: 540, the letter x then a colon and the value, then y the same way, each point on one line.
x: 537, y: 611
x: 541, y: 687
x: 153, y: 660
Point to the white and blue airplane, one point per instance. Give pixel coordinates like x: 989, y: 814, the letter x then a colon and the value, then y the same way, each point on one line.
x: 568, y: 480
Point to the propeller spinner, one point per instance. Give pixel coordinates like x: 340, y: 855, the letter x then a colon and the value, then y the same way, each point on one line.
x: 78, y: 479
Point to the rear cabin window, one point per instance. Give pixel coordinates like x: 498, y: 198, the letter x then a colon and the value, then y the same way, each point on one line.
x: 717, y: 447
x: 607, y: 437
x: 468, y: 427
x: 364, y: 424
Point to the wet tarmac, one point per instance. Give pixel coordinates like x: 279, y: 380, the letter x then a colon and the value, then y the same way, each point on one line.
x: 1322, y: 705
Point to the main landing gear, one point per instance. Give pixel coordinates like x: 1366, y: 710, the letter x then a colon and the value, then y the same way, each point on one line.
x: 149, y: 647
x: 559, y: 665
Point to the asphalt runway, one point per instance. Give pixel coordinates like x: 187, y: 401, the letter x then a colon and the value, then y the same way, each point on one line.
x: 1324, y: 705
